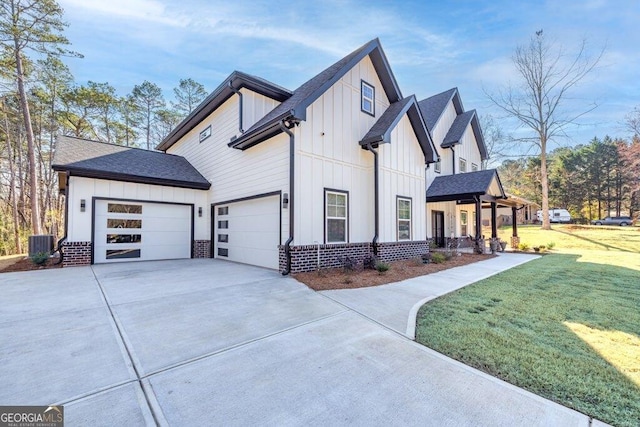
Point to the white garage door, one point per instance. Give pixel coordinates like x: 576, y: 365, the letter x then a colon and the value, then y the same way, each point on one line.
x: 140, y: 231
x: 248, y: 231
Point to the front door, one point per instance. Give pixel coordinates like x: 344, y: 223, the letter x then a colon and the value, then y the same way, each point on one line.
x: 437, y: 227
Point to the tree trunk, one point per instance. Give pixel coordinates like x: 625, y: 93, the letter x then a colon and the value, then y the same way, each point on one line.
x: 12, y: 189
x: 33, y: 174
x: 546, y: 224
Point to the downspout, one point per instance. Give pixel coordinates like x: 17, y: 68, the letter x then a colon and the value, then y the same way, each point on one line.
x: 453, y: 161
x: 237, y: 92
x: 66, y: 220
x: 287, y: 244
x: 374, y: 242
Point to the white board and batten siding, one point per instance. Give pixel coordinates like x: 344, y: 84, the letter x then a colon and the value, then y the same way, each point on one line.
x: 236, y: 174
x: 452, y: 214
x: 402, y: 165
x: 330, y: 157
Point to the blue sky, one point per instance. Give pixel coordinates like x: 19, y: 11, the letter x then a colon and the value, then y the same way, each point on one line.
x: 431, y: 45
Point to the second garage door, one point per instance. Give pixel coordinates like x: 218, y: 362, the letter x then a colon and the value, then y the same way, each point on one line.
x: 248, y: 231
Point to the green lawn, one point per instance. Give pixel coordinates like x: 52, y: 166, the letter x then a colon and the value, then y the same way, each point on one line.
x: 566, y: 326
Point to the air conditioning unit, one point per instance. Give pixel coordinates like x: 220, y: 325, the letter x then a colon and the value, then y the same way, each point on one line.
x: 40, y: 243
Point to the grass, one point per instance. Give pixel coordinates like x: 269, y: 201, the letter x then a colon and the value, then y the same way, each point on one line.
x: 565, y: 326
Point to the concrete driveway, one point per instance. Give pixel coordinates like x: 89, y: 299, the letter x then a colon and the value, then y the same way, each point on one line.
x: 208, y: 342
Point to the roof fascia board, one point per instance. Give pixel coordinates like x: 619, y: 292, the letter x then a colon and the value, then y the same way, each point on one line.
x: 88, y: 173
x: 269, y: 130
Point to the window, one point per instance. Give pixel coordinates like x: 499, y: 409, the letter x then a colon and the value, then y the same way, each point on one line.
x: 336, y: 217
x: 223, y: 224
x: 223, y: 210
x: 123, y: 253
x: 474, y: 167
x: 462, y: 165
x: 437, y: 167
x: 404, y: 218
x: 121, y: 208
x: 464, y: 223
x: 223, y: 238
x: 124, y: 223
x: 124, y: 238
x: 223, y: 252
x: 206, y: 133
x: 368, y: 94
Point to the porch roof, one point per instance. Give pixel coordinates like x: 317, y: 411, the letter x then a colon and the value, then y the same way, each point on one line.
x: 483, y: 184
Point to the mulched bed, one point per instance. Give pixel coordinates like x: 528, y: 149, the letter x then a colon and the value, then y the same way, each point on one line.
x: 337, y: 278
x: 25, y: 264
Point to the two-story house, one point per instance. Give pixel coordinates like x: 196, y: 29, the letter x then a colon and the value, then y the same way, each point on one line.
x: 343, y: 166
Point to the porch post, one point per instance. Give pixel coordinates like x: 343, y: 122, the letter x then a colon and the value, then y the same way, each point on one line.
x: 515, y: 240
x: 479, y: 241
x: 494, y: 221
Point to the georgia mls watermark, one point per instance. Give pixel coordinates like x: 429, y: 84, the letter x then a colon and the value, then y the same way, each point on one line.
x: 31, y: 416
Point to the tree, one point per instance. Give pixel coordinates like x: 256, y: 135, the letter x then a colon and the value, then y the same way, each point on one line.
x: 30, y: 25
x: 189, y: 94
x: 547, y: 76
x: 166, y: 120
x: 148, y: 100
x: 494, y: 139
x: 632, y: 121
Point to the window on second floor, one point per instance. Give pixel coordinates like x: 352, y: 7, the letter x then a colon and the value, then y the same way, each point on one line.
x: 368, y: 94
x: 462, y: 165
x: 437, y: 166
x: 474, y: 167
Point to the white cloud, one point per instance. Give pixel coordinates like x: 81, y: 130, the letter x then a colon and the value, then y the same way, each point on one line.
x: 145, y: 10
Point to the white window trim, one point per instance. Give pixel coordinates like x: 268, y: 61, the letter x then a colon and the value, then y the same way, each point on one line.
x: 466, y: 224
x: 462, y: 161
x: 327, y: 217
x: 370, y: 99
x: 410, y: 220
x: 474, y: 167
x: 437, y: 166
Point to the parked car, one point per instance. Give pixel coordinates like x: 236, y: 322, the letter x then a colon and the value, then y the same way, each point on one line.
x: 556, y: 215
x: 613, y: 220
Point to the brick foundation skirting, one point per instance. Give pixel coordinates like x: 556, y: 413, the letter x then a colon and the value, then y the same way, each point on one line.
x: 76, y: 253
x: 202, y: 248
x: 305, y: 257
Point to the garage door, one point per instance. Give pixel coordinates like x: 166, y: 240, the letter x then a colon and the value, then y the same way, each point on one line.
x: 140, y: 231
x: 248, y: 231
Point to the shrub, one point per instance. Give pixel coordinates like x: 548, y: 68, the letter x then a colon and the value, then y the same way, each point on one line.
x: 40, y: 258
x: 370, y: 262
x: 551, y: 245
x: 523, y: 247
x: 438, y: 257
x: 417, y: 261
x: 349, y: 264
x: 382, y: 266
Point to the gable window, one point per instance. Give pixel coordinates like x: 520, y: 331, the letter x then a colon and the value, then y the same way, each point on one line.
x: 464, y: 223
x: 437, y: 166
x: 206, y: 133
x: 474, y: 167
x: 336, y: 208
x: 404, y: 218
x: 368, y: 98
x: 462, y: 164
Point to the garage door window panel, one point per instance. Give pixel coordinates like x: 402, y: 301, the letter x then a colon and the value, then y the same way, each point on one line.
x: 336, y: 217
x: 122, y: 253
x: 124, y: 223
x: 124, y: 208
x: 124, y: 238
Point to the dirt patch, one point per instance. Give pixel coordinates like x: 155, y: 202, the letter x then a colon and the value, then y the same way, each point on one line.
x: 337, y: 278
x: 7, y: 260
x: 25, y: 264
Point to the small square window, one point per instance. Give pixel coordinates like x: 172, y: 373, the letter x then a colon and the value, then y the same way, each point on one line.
x: 206, y: 133
x: 463, y: 165
x: 368, y: 98
x: 223, y: 238
x: 223, y: 224
x: 224, y: 210
x: 223, y: 252
x: 474, y: 167
x: 437, y: 166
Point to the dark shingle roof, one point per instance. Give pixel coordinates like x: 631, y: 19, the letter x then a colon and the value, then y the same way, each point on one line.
x: 93, y: 159
x: 380, y: 132
x: 462, y: 186
x: 433, y: 107
x: 308, y: 92
x: 457, y: 129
